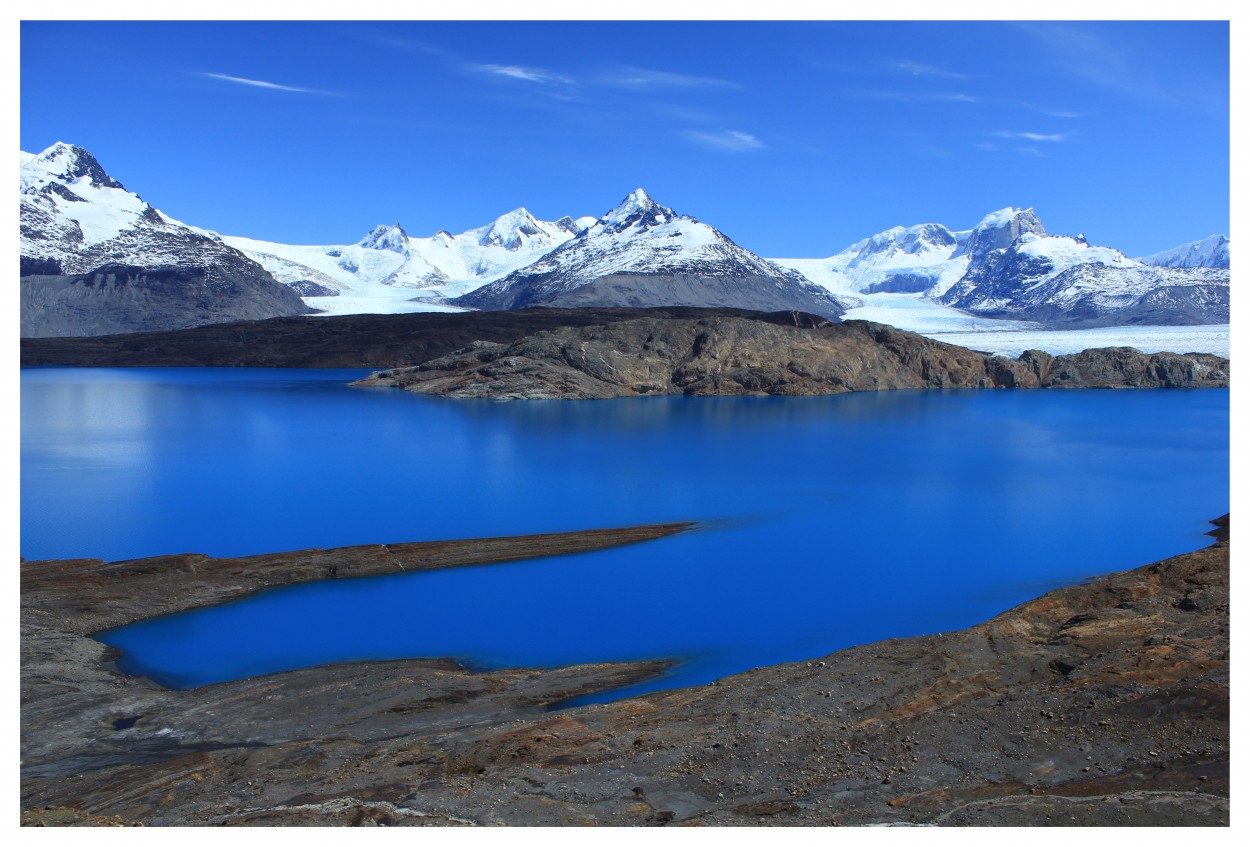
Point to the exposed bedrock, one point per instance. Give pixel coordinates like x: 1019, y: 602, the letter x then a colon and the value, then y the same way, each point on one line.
x: 635, y: 290
x: 122, y: 298
x: 1105, y: 703
x: 342, y: 341
x: 728, y: 355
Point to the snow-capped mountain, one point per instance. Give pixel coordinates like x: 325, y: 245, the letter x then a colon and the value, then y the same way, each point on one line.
x: 376, y: 269
x: 1009, y: 267
x: 901, y: 259
x: 1066, y: 280
x: 1210, y: 252
x: 927, y: 258
x: 643, y: 254
x: 76, y: 219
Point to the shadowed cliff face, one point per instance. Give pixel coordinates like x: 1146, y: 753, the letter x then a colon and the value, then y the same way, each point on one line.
x: 728, y: 355
x: 1100, y: 704
x: 342, y: 341
x: 121, y: 298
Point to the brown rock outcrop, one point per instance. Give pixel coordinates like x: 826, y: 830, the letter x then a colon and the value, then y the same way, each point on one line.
x: 730, y: 355
x: 1105, y: 703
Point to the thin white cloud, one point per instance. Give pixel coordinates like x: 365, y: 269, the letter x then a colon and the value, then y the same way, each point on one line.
x: 730, y: 139
x: 633, y: 77
x: 921, y: 69
x: 877, y: 94
x: 538, y: 75
x: 272, y: 86
x: 1033, y: 136
x: 1082, y: 52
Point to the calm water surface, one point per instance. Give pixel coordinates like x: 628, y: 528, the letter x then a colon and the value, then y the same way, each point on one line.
x: 830, y: 521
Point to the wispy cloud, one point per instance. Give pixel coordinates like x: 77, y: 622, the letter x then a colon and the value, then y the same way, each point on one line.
x: 878, y: 94
x: 1033, y: 136
x: 272, y: 86
x: 633, y: 77
x: 1080, y: 51
x: 538, y: 75
x: 921, y: 69
x: 730, y: 139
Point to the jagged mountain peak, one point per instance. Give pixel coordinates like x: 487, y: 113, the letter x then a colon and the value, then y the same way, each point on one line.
x: 999, y: 229
x: 509, y: 230
x: 383, y: 237
x: 1007, y: 216
x: 567, y: 224
x: 69, y: 162
x: 637, y: 206
x: 909, y: 239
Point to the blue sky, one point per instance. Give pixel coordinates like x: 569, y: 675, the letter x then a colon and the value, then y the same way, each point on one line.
x: 793, y: 138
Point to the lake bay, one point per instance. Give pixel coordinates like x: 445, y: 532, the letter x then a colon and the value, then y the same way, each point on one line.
x: 827, y: 521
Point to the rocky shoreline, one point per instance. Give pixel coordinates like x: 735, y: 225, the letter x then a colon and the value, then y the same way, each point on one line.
x: 341, y: 341
x: 1105, y: 703
x: 725, y: 355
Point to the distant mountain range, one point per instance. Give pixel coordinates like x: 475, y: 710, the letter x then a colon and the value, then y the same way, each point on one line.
x: 1008, y: 266
x: 76, y: 219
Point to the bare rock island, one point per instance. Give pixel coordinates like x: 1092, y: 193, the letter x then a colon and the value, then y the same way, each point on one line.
x: 723, y: 355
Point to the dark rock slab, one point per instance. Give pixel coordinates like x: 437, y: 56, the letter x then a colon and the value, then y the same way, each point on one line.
x: 343, y: 341
x: 731, y: 355
x: 122, y: 298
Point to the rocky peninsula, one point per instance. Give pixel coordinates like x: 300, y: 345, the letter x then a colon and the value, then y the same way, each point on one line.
x: 1105, y: 703
x: 719, y: 355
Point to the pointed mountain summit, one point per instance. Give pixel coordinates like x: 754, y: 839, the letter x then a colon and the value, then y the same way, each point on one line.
x: 998, y: 230
x: 637, y: 208
x: 64, y: 163
x: 510, y: 230
x: 382, y: 237
x: 641, y: 253
x: 96, y: 259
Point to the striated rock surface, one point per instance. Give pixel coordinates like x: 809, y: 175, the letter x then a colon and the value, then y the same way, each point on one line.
x: 1101, y: 704
x: 729, y: 355
x: 341, y: 341
x: 122, y: 298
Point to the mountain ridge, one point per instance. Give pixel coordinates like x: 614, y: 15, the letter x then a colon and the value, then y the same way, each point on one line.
x: 76, y: 219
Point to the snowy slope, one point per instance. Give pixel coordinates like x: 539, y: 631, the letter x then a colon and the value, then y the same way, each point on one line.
x: 96, y: 259
x: 925, y: 257
x: 77, y: 217
x: 642, y: 253
x: 1066, y: 280
x: 390, y: 271
x: 901, y: 259
x: 1210, y: 252
x: 1008, y: 267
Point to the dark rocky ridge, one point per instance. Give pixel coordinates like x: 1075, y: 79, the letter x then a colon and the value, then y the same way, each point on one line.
x: 122, y: 298
x: 346, y: 341
x: 731, y: 289
x: 1101, y: 704
x: 728, y: 355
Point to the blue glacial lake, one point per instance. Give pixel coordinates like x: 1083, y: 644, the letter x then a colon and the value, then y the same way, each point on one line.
x: 829, y: 521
